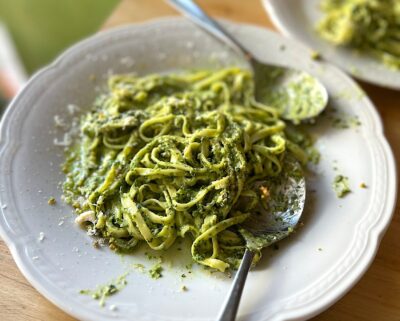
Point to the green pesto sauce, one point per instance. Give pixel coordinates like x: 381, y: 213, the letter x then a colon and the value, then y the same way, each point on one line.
x: 314, y: 155
x: 345, y: 122
x: 370, y: 26
x: 156, y: 271
x: 102, y: 292
x: 341, y: 185
x: 305, y: 143
x: 342, y: 120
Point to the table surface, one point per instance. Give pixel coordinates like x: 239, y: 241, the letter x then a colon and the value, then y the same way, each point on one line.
x: 377, y: 294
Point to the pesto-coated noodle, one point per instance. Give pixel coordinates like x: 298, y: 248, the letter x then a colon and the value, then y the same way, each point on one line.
x: 162, y: 157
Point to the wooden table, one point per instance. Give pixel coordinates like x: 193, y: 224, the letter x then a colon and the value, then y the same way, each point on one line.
x: 375, y: 298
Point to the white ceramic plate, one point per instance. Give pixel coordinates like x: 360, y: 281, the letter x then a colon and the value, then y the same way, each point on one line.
x: 297, y: 19
x: 296, y: 282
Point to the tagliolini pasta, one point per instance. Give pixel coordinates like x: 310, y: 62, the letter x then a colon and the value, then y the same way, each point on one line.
x: 163, y: 157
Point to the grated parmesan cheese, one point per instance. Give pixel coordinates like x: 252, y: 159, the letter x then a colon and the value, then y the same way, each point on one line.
x: 59, y: 121
x: 66, y: 141
x: 41, y: 237
x: 72, y: 109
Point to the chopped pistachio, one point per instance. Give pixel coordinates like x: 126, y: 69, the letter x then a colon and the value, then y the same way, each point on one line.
x: 341, y: 185
x: 52, y: 201
x: 156, y: 271
x: 315, y: 55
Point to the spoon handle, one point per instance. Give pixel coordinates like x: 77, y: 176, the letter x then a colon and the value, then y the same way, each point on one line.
x: 228, y: 312
x: 192, y: 10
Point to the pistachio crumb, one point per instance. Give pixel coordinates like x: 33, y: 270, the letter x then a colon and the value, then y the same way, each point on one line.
x: 315, y: 55
x: 52, y: 201
x: 341, y: 185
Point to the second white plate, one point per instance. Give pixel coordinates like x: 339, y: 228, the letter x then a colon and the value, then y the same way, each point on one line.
x: 297, y: 19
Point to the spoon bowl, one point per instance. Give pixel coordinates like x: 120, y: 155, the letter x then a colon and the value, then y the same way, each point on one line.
x: 281, y: 210
x: 296, y: 94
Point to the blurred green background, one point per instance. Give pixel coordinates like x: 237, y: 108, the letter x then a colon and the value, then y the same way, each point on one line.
x: 41, y: 29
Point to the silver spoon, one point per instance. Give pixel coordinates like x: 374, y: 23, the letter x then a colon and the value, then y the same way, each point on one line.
x: 298, y: 95
x: 268, y: 225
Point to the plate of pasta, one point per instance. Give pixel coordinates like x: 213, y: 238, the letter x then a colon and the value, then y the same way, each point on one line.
x: 129, y: 168
x: 361, y: 37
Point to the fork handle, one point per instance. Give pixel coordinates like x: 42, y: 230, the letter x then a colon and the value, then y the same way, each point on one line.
x: 229, y: 310
x: 193, y: 11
